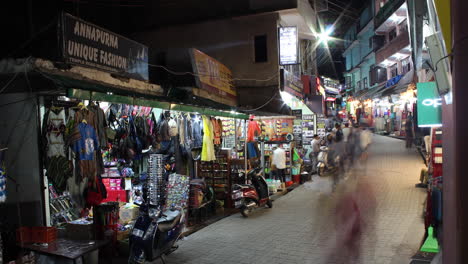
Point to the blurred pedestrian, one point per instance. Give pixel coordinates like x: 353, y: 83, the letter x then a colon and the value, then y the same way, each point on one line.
x: 366, y: 140
x: 409, y: 131
x: 354, y: 214
x: 316, y: 142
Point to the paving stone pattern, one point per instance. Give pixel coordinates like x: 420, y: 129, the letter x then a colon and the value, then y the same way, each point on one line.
x: 300, y: 228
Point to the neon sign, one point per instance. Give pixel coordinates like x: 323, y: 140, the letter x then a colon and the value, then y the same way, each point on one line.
x: 429, y: 105
x: 432, y: 102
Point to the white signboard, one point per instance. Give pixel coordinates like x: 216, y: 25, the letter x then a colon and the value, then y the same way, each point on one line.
x: 288, y: 45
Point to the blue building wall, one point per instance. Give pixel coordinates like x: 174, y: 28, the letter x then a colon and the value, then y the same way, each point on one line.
x: 359, y: 52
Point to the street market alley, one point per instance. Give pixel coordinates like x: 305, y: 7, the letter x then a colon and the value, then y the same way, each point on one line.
x: 300, y: 227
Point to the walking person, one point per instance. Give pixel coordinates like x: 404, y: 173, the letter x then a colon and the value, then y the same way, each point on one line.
x: 409, y: 131
x: 316, y: 142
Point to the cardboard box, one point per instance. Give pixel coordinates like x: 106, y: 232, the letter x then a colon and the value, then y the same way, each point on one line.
x: 128, y: 214
x: 80, y: 231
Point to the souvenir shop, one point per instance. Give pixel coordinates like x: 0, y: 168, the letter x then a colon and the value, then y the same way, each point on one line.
x: 391, y: 112
x: 277, y: 150
x: 96, y: 149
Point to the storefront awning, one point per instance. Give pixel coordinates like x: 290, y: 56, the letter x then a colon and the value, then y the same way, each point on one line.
x: 89, y: 95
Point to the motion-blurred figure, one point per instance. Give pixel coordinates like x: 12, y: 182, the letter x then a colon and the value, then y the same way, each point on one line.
x: 354, y: 214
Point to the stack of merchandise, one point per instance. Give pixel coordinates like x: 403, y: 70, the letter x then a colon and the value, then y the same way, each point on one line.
x: 177, y: 191
x: 156, y: 172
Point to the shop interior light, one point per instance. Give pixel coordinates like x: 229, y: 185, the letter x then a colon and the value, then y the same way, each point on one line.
x: 287, y: 98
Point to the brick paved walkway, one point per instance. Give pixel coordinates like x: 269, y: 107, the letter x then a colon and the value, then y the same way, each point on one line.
x: 300, y: 227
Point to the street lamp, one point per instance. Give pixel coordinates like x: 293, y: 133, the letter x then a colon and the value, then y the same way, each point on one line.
x: 324, y: 36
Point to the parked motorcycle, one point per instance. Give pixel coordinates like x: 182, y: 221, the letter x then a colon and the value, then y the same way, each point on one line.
x: 325, y: 163
x: 247, y: 197
x: 162, y: 214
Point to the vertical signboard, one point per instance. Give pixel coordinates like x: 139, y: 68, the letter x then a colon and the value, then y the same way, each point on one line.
x: 288, y: 45
x: 321, y: 129
x: 297, y: 126
x: 86, y: 44
x: 429, y: 105
x: 308, y: 129
x: 213, y: 78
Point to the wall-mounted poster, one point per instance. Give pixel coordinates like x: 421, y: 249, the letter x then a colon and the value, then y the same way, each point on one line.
x: 308, y: 129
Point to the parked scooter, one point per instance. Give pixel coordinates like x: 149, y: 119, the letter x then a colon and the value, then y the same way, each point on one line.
x: 162, y: 214
x: 247, y: 197
x: 327, y: 164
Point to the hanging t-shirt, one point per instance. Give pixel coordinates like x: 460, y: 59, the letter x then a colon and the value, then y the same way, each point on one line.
x: 87, y: 144
x: 208, y: 153
x: 55, y: 133
x: 253, y: 129
x: 173, y: 130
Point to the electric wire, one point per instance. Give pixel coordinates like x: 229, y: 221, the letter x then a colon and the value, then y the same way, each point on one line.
x: 9, y: 82
x: 263, y: 105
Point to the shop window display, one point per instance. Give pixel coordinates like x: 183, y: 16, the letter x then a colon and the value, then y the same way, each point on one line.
x: 97, y: 152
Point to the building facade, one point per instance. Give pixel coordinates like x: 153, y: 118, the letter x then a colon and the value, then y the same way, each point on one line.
x: 248, y: 45
x: 378, y: 53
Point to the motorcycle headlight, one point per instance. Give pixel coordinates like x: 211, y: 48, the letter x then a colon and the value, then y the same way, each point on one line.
x: 236, y: 195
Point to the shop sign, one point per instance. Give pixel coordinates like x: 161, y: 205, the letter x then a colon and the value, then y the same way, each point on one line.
x: 292, y: 84
x: 297, y: 129
x: 86, y: 44
x: 288, y: 45
x: 429, y: 105
x: 308, y: 129
x: 213, y: 78
x: 330, y: 99
x: 321, y: 129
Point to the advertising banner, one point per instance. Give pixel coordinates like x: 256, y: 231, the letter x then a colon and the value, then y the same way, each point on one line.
x: 86, y: 44
x: 429, y: 105
x: 288, y: 45
x: 297, y: 129
x: 213, y: 78
x: 308, y: 129
x: 292, y: 84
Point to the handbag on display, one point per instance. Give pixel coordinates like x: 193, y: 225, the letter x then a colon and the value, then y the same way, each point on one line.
x: 94, y: 195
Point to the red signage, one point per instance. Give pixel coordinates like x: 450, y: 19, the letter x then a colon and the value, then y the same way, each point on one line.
x: 330, y: 99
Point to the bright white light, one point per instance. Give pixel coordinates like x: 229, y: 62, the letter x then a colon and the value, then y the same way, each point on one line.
x: 325, y: 35
x: 287, y: 98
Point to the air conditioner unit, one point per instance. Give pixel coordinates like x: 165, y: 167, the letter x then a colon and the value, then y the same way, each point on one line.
x: 442, y: 69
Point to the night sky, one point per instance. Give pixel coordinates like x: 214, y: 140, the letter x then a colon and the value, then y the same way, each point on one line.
x: 349, y: 11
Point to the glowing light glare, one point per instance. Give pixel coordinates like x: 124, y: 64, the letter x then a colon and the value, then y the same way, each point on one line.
x: 325, y: 35
x: 287, y: 98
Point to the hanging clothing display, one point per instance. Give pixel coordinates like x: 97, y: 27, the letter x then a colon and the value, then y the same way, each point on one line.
x: 55, y: 127
x: 253, y: 129
x: 197, y: 128
x: 85, y: 144
x: 217, y: 131
x: 208, y: 153
x: 101, y: 124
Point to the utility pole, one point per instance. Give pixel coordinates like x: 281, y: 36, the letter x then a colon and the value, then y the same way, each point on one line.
x: 455, y: 144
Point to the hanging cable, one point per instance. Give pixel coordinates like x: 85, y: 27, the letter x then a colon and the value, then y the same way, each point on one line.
x: 9, y: 82
x: 260, y: 107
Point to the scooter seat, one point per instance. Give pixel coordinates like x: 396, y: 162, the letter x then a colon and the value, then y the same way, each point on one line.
x: 168, y: 220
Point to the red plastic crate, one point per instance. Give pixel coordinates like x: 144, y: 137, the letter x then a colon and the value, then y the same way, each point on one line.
x: 43, y: 234
x: 115, y: 196
x: 297, y: 179
x: 23, y: 235
x: 288, y: 183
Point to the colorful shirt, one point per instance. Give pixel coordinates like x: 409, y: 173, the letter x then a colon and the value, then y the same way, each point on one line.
x: 87, y: 144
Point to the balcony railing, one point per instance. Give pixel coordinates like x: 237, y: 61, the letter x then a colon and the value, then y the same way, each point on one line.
x: 386, y: 11
x: 396, y: 45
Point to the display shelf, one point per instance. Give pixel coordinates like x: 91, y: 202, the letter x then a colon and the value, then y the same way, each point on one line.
x: 217, y: 173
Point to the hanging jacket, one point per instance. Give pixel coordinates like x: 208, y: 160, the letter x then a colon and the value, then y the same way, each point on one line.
x: 197, y: 133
